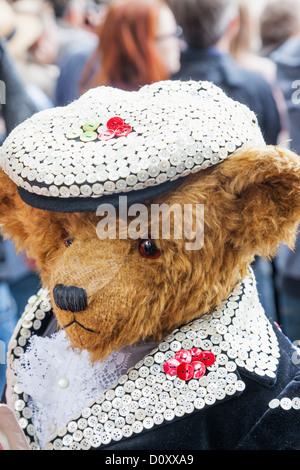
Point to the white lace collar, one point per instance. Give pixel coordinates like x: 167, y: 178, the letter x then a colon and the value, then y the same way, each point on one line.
x: 61, y: 381
x: 238, y: 333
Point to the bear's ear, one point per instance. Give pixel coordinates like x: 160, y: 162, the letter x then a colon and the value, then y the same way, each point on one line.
x: 12, y: 212
x: 38, y: 232
x: 264, y: 187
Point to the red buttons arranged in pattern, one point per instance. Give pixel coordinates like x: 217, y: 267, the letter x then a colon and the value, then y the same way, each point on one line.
x: 115, y: 128
x: 114, y: 123
x: 208, y: 358
x: 170, y: 366
x: 199, y: 369
x: 107, y: 135
x: 123, y: 131
x: 185, y: 371
x: 197, y: 354
x: 189, y: 364
x: 183, y: 356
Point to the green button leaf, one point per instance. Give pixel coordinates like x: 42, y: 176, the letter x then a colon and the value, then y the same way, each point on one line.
x: 73, y: 133
x: 91, y: 126
x: 88, y: 136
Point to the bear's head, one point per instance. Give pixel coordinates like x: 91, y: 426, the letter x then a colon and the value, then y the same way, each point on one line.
x: 144, y: 209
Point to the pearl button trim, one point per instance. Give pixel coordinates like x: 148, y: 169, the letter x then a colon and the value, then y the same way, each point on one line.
x: 285, y: 403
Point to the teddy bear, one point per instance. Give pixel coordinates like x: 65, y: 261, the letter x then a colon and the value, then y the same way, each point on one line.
x: 143, y: 212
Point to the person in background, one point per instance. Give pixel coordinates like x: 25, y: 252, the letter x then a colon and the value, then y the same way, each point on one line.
x: 209, y: 29
x: 77, y: 41
x: 287, y: 59
x: 138, y: 45
x: 245, y: 47
x: 17, y: 280
x: 37, y: 65
x: 16, y: 104
x: 279, y: 21
x: 77, y: 21
x: 22, y: 31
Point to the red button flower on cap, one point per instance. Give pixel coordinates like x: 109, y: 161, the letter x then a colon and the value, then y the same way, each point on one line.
x: 114, y: 122
x: 115, y: 127
x: 170, y: 366
x: 123, y: 131
x: 183, y: 356
x: 199, y: 369
x: 208, y: 358
x: 107, y: 135
x: 185, y: 371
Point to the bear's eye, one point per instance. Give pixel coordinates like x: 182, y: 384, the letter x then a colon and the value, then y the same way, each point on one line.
x: 68, y: 240
x: 149, y: 250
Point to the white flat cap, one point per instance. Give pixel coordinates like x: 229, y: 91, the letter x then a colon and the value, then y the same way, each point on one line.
x: 112, y: 142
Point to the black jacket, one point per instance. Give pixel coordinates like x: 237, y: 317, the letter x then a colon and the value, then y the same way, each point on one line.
x: 239, y: 84
x: 241, y: 422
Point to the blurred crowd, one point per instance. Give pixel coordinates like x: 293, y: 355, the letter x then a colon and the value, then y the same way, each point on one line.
x: 52, y: 51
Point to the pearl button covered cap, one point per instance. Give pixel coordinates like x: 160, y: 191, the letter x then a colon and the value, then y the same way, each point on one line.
x: 111, y: 142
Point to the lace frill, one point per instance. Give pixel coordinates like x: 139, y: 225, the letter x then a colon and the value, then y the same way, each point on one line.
x: 61, y: 381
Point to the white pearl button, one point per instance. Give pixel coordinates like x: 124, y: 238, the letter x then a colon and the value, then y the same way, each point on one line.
x: 274, y: 403
x: 63, y: 382
x: 296, y: 403
x: 286, y: 403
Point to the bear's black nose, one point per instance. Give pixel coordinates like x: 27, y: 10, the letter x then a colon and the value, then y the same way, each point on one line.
x: 70, y: 298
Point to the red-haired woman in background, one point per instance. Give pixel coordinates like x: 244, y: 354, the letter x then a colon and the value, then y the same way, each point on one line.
x: 138, y: 45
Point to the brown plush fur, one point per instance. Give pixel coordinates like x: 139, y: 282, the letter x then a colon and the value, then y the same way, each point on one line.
x: 252, y: 204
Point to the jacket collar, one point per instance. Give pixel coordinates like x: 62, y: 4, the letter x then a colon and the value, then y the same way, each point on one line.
x: 235, y: 76
x: 238, y: 333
